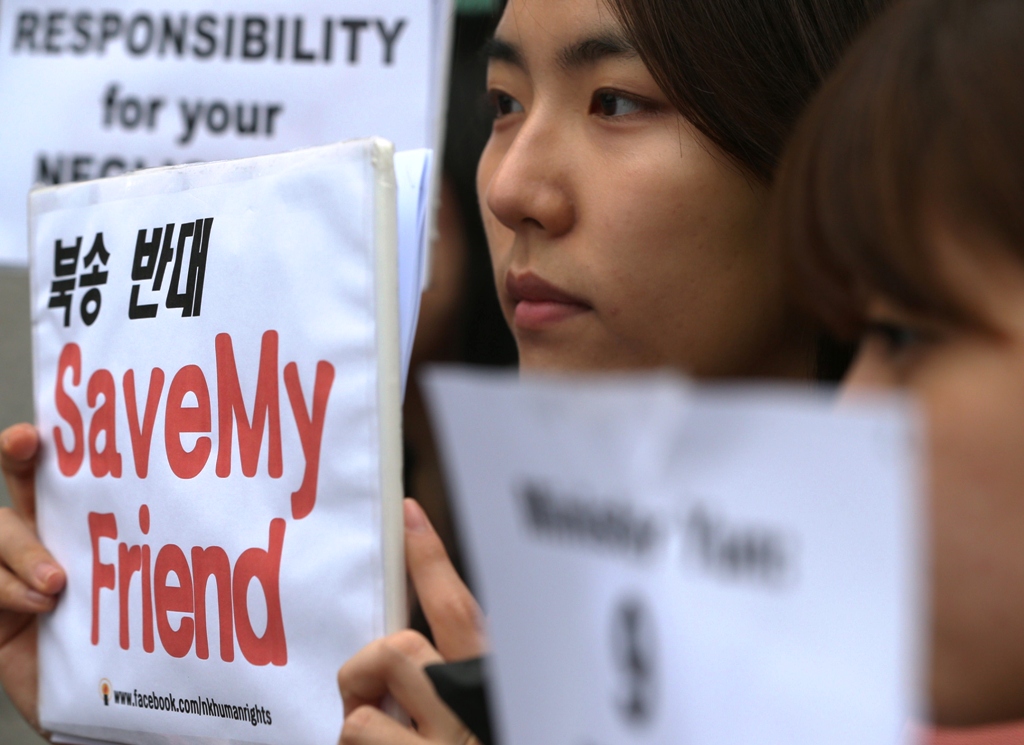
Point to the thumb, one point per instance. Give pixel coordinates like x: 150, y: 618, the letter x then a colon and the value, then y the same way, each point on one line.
x: 19, y: 451
x: 453, y: 614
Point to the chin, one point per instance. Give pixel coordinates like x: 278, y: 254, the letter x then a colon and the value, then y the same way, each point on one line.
x: 548, y: 358
x: 572, y: 358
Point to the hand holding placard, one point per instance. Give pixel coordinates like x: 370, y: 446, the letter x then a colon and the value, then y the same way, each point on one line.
x: 454, y: 616
x: 31, y: 576
x: 393, y: 666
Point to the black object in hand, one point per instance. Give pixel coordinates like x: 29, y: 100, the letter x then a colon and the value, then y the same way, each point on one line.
x: 462, y: 686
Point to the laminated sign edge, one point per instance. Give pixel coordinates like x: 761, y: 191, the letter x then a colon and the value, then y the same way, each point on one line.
x: 389, y: 385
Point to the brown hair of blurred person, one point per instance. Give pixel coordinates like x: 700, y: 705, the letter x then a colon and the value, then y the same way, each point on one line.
x: 922, y: 122
x: 899, y: 208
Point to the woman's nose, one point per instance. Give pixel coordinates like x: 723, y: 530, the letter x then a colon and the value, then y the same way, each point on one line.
x: 532, y: 186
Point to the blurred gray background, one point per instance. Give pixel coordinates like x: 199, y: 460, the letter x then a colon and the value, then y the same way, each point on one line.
x: 15, y: 406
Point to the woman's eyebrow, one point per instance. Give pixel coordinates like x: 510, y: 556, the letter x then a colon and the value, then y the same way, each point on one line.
x: 503, y: 51
x: 594, y: 49
x: 582, y: 53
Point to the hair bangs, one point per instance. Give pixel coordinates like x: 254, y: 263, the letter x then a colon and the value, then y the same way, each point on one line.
x: 859, y: 190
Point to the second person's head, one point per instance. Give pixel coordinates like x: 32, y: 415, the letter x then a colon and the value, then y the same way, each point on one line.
x: 900, y: 208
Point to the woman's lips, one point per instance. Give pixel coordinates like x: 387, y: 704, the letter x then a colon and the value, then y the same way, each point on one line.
x: 539, y: 303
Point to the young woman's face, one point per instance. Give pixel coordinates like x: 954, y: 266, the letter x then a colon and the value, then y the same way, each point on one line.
x: 620, y: 237
x: 971, y: 385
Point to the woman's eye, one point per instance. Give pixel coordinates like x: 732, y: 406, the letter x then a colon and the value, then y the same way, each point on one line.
x: 503, y: 104
x: 896, y: 336
x: 612, y: 104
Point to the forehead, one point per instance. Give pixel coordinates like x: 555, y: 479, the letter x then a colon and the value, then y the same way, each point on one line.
x: 540, y: 27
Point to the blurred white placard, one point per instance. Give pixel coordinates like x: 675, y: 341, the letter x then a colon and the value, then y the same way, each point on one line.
x: 216, y: 367
x: 413, y: 172
x: 665, y: 564
x: 92, y: 89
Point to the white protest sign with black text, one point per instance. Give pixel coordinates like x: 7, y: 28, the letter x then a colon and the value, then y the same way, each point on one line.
x: 667, y: 564
x: 91, y: 89
x: 217, y: 365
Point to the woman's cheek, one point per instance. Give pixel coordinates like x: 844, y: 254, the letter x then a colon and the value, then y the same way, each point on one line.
x: 499, y: 245
x: 493, y: 228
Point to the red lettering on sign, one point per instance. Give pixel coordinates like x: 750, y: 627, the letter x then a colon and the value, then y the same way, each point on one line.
x: 206, y: 563
x: 129, y: 561
x: 173, y: 599
x: 103, y: 577
x: 147, y: 585
x: 69, y: 461
x: 104, y: 422
x: 264, y: 567
x: 311, y: 430
x: 186, y: 594
x: 196, y: 419
x: 178, y: 419
x: 230, y: 407
x: 142, y: 434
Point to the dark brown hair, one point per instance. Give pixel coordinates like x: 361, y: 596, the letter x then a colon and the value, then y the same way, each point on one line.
x: 742, y: 70
x: 923, y: 122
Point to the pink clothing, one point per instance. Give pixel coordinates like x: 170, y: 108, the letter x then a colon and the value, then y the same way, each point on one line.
x: 1005, y: 734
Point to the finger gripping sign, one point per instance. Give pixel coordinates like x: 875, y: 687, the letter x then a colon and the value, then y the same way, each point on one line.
x: 220, y: 472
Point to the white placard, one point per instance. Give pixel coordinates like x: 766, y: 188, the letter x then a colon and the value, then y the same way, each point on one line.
x: 216, y: 357
x: 665, y: 564
x: 413, y: 173
x: 91, y: 89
